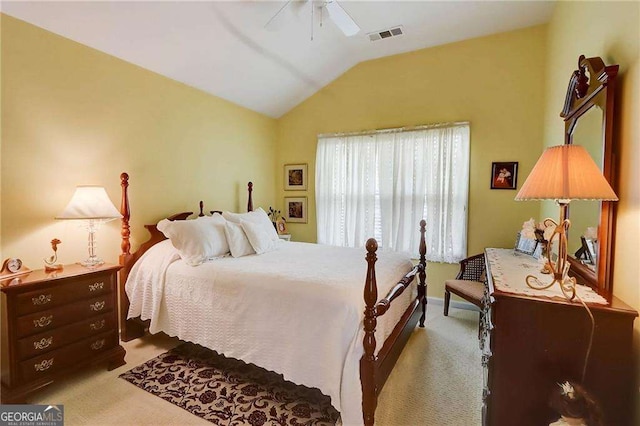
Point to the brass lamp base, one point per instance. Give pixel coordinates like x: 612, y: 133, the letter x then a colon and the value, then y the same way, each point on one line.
x: 567, y: 285
x: 561, y: 267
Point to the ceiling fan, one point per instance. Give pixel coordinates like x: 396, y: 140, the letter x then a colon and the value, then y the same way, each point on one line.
x: 338, y: 15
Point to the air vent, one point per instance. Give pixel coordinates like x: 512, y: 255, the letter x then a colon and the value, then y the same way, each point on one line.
x: 388, y: 33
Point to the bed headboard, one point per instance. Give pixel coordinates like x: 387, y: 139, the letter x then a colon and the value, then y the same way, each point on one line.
x: 129, y: 330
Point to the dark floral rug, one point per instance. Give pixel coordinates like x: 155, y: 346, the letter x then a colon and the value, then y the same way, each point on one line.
x: 226, y: 391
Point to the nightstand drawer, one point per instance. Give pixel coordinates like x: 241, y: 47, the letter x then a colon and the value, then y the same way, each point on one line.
x: 59, y: 294
x: 53, y: 318
x: 49, y: 363
x: 53, y: 339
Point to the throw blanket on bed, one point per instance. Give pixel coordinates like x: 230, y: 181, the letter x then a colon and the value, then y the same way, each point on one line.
x: 297, y: 311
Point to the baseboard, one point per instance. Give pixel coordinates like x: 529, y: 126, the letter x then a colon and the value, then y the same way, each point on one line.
x: 452, y: 304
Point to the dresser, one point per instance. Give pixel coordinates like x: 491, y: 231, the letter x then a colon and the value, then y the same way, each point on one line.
x: 56, y: 323
x: 531, y: 341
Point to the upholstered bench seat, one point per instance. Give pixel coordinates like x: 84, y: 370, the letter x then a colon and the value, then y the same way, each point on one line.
x: 471, y: 291
x: 468, y: 284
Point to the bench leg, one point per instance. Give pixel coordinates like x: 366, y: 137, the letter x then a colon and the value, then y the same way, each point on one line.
x: 447, y: 298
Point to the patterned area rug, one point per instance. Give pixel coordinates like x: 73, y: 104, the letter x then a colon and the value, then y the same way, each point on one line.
x: 226, y: 391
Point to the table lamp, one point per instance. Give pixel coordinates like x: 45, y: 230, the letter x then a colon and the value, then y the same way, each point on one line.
x: 564, y: 173
x: 92, y: 205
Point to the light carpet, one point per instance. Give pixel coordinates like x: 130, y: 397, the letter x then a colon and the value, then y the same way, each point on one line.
x: 436, y: 382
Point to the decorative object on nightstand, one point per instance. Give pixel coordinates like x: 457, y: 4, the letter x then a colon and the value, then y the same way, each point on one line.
x: 285, y: 237
x: 92, y: 205
x: 281, y: 226
x: 12, y: 267
x: 55, y: 323
x: 50, y: 263
x: 564, y: 173
x: 274, y: 215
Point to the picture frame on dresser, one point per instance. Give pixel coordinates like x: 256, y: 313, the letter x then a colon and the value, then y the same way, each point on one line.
x: 525, y: 245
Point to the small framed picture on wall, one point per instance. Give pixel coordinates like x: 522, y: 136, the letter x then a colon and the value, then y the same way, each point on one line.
x: 295, y: 209
x: 295, y: 177
x: 504, y: 175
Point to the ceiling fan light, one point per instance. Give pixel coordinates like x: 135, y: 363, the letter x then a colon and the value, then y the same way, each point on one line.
x: 341, y: 18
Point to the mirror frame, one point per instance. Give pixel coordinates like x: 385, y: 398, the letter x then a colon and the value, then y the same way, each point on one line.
x: 593, y: 79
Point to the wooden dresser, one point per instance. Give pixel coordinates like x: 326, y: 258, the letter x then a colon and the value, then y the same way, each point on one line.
x: 56, y: 323
x: 530, y: 344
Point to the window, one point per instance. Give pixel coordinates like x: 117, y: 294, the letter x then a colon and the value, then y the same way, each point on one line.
x: 381, y: 184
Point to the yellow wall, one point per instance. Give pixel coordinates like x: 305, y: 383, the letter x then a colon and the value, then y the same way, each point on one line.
x: 494, y: 82
x: 609, y: 30
x: 72, y: 115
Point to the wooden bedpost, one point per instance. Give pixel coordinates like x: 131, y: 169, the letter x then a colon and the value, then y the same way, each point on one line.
x: 128, y: 330
x: 422, y: 275
x: 250, y: 200
x: 201, y: 204
x: 125, y: 245
x: 368, y: 361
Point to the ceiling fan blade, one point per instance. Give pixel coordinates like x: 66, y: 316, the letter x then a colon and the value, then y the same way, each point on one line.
x: 341, y: 18
x: 285, y: 14
x: 282, y: 15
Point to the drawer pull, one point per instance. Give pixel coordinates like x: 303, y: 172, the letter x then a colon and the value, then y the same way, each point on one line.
x: 43, y: 321
x: 43, y: 299
x: 98, y: 344
x: 98, y: 306
x: 45, y: 364
x: 96, y: 286
x: 97, y: 325
x: 43, y: 343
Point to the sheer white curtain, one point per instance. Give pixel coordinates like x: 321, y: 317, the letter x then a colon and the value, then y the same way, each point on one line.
x: 381, y: 184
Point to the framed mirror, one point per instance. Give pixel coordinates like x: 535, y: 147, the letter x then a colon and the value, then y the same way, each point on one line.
x: 588, y: 114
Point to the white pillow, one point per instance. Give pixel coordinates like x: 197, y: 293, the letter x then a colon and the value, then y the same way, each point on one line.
x: 238, y: 242
x: 259, y: 217
x: 259, y: 238
x: 198, y: 239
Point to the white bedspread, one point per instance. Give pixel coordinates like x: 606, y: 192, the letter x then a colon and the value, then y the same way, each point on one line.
x: 297, y: 311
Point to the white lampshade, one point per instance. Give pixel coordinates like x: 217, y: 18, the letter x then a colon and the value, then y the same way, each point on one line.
x: 90, y: 202
x: 566, y: 172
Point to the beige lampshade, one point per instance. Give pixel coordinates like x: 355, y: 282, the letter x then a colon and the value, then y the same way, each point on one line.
x: 566, y: 172
x: 90, y: 202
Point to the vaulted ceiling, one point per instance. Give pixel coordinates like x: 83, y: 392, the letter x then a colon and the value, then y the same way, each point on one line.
x: 223, y: 48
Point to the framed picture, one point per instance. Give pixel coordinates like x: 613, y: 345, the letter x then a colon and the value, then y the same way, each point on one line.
x: 281, y: 226
x: 295, y: 177
x: 504, y: 175
x: 525, y: 245
x: 587, y: 251
x: 592, y: 249
x: 295, y: 209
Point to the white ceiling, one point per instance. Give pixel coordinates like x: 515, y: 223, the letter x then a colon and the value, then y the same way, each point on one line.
x: 223, y: 48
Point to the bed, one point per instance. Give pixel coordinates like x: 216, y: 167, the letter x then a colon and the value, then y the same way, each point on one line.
x: 297, y: 310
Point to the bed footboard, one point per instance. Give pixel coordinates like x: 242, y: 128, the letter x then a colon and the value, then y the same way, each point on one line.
x: 374, y: 370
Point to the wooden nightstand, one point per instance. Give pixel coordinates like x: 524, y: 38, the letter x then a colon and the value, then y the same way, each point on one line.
x: 55, y: 323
